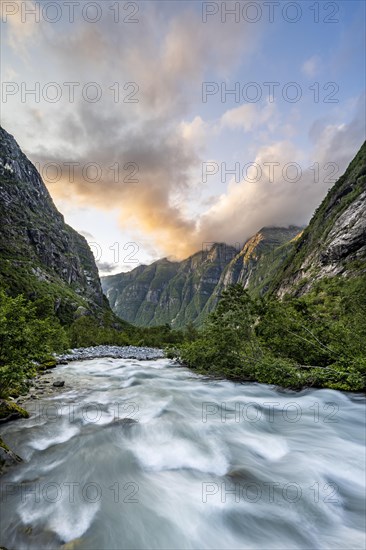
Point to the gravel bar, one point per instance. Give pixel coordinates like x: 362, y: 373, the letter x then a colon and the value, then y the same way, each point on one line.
x: 116, y: 352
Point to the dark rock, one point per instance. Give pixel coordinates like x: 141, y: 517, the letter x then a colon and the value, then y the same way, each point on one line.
x: 81, y: 312
x: 334, y: 243
x: 12, y: 416
x: 7, y: 457
x: 11, y: 411
x: 59, y: 384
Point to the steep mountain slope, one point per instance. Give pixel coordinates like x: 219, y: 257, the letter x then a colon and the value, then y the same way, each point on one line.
x: 334, y: 243
x: 183, y: 292
x: 168, y: 292
x: 256, y: 264
x: 135, y: 294
x: 39, y: 254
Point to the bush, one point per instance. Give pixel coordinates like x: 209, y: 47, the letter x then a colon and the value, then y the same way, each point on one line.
x: 25, y: 340
x: 317, y: 340
x: 227, y: 340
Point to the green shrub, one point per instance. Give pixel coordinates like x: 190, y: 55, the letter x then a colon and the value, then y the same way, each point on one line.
x: 25, y: 340
x: 317, y: 340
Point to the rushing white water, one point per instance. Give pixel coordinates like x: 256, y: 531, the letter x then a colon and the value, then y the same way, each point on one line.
x: 207, y: 465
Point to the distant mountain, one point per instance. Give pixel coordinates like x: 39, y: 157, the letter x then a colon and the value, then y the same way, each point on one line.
x: 334, y: 243
x: 257, y: 263
x: 181, y: 292
x: 165, y: 291
x: 39, y: 254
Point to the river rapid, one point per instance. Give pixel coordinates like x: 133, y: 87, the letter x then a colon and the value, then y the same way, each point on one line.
x: 146, y: 455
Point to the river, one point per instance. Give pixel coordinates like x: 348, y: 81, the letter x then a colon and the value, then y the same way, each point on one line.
x: 146, y: 455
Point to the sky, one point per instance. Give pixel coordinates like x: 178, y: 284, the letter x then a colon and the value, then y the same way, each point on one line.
x: 160, y: 127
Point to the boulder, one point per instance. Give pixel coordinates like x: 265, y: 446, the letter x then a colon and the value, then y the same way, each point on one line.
x: 59, y: 384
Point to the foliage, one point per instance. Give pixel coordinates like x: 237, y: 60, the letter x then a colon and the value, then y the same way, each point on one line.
x: 190, y: 332
x: 317, y: 340
x: 227, y: 340
x: 8, y: 408
x: 87, y: 331
x: 25, y: 339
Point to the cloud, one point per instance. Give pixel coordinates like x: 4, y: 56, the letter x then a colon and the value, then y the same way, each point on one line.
x: 152, y: 135
x: 258, y: 200
x: 312, y: 66
x: 106, y: 268
x: 339, y: 142
x: 163, y: 158
x: 195, y: 132
x: 272, y: 199
x: 250, y: 116
x: 10, y: 74
x: 166, y: 157
x: 87, y: 235
x: 168, y: 55
x: 21, y: 31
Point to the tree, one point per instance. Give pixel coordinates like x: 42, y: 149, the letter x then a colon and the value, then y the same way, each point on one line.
x: 190, y: 332
x: 317, y: 340
x: 24, y: 340
x: 227, y: 342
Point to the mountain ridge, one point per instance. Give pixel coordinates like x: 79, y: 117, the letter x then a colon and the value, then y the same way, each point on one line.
x: 188, y: 290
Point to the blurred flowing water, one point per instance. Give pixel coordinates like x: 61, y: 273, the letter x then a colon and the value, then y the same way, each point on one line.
x: 146, y: 455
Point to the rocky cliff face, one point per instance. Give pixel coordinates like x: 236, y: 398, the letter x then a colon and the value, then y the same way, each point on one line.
x: 168, y: 292
x: 39, y: 253
x: 255, y: 265
x: 182, y: 292
x: 334, y: 243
